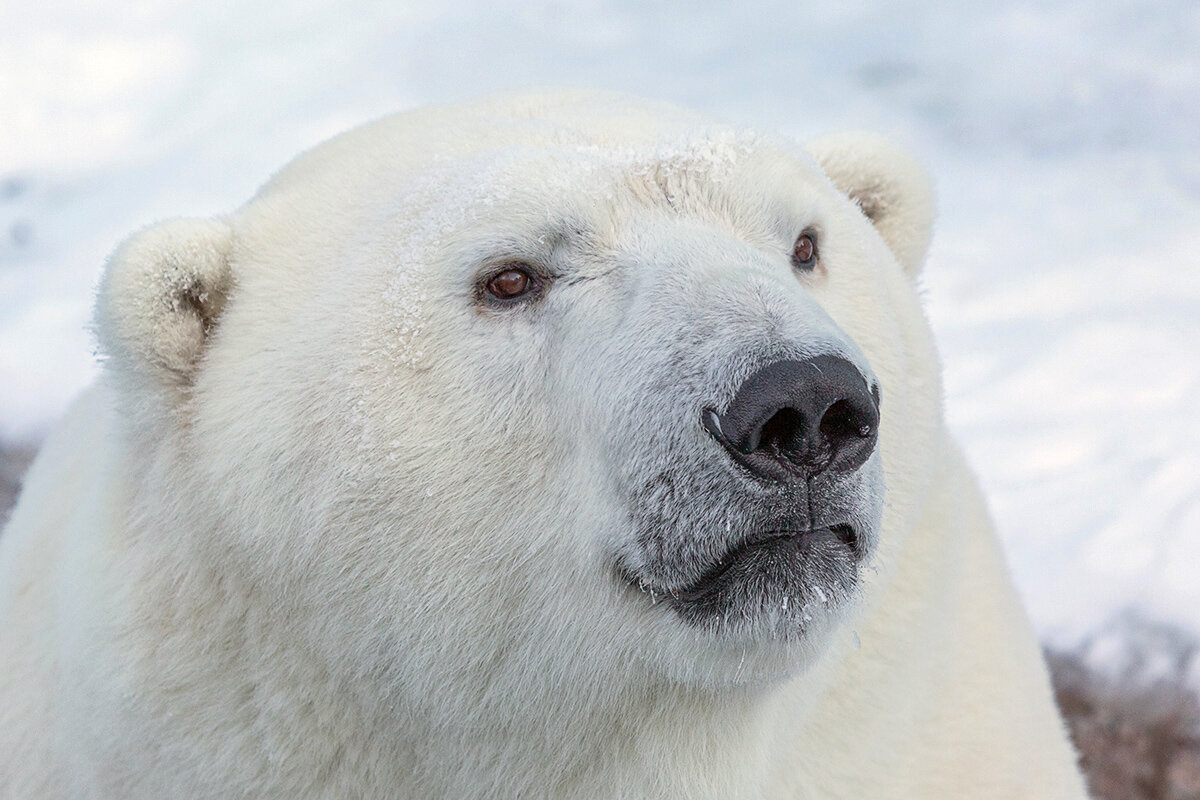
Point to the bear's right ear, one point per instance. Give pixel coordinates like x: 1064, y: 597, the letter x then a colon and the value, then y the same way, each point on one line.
x: 160, y: 297
x: 890, y: 187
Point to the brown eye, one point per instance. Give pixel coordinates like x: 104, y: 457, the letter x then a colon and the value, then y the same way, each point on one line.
x: 804, y: 253
x: 510, y: 284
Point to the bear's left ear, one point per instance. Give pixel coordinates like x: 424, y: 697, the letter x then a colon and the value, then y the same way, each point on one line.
x: 890, y: 187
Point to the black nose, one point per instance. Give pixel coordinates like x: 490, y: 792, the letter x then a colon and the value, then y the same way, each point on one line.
x: 792, y: 420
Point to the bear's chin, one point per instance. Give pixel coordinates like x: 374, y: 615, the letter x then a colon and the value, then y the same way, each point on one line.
x: 757, y: 649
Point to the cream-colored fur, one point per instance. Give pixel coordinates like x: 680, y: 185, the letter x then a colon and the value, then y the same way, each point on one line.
x: 329, y: 526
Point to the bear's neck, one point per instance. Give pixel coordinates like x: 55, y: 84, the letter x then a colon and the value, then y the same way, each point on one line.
x: 653, y: 741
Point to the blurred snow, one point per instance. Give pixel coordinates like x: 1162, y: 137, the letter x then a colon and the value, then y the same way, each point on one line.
x: 1064, y: 282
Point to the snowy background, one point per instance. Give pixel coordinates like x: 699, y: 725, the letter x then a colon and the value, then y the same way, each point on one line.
x: 1063, y: 285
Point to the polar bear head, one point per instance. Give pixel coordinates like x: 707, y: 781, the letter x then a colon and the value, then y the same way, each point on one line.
x: 564, y: 390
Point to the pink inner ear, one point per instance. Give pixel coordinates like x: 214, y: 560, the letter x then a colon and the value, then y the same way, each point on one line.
x: 871, y: 202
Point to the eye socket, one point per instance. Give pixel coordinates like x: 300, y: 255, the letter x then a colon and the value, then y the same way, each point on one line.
x: 804, y: 252
x: 514, y: 282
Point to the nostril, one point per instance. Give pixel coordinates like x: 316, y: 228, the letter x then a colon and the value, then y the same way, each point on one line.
x: 843, y: 421
x: 782, y: 433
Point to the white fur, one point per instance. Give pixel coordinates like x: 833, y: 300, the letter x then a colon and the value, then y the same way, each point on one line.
x: 329, y: 528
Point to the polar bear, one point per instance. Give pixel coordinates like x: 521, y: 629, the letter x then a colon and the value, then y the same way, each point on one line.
x: 559, y: 445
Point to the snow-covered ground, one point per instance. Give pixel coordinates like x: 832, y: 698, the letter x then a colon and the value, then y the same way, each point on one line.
x: 1064, y: 282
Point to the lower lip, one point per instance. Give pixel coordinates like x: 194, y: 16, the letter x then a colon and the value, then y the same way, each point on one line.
x: 844, y: 535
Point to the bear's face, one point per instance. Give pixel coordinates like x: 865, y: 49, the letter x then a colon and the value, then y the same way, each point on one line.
x: 533, y: 409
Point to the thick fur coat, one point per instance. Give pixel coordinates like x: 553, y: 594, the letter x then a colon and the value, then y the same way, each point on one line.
x: 342, y: 518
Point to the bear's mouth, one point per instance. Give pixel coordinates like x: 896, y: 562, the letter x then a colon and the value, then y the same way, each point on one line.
x: 787, y: 578
x: 775, y: 548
